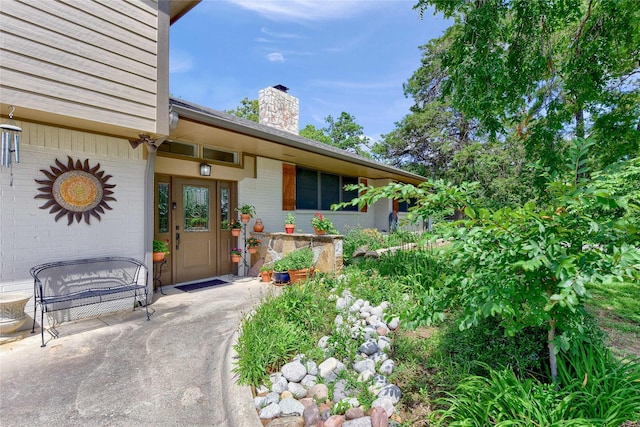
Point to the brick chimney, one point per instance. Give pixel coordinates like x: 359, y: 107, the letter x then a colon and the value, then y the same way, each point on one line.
x: 278, y: 109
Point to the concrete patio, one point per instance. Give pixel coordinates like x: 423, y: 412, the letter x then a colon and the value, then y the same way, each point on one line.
x: 120, y: 369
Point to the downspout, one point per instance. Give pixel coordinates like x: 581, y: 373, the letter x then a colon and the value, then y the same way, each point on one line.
x: 149, y: 196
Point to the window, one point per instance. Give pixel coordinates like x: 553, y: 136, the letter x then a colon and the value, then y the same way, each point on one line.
x: 220, y: 156
x: 318, y: 190
x: 179, y: 148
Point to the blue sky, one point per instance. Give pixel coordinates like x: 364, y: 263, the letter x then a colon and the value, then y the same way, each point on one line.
x: 333, y: 55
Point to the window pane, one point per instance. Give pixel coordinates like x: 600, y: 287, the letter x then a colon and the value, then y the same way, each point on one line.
x: 306, y: 189
x: 163, y: 207
x: 347, y: 196
x: 224, y: 207
x: 180, y: 148
x: 329, y: 190
x: 196, y: 208
x: 219, y: 155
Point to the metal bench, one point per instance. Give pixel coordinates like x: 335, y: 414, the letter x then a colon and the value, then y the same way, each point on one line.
x: 65, y: 285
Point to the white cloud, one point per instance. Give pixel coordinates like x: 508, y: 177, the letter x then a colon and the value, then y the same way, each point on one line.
x: 291, y: 36
x: 180, y: 62
x: 275, y: 57
x: 306, y: 10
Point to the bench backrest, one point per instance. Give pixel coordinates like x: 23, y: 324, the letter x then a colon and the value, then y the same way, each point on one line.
x: 73, y: 276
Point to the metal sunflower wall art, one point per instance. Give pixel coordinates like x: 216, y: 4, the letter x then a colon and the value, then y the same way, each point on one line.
x: 75, y: 190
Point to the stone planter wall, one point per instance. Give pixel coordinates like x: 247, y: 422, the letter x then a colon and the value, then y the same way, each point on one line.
x: 327, y: 248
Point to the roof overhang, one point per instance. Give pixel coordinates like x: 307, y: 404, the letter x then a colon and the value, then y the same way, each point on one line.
x: 206, y: 126
x: 178, y: 8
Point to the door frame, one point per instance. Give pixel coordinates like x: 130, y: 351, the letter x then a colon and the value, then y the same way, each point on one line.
x: 223, y: 241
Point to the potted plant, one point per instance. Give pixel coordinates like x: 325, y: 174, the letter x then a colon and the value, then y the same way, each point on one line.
x: 280, y: 273
x: 289, y: 223
x: 299, y: 263
x: 198, y: 222
x: 252, y: 244
x: 235, y: 226
x: 246, y: 212
x: 265, y: 272
x: 160, y: 249
x: 235, y: 254
x: 321, y: 224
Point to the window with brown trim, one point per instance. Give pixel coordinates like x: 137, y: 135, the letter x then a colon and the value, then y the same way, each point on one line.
x: 288, y: 187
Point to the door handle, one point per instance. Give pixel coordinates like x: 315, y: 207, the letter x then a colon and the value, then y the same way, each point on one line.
x: 177, y: 241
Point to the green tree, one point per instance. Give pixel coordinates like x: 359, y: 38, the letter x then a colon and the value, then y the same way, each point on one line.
x: 551, y: 69
x: 312, y: 132
x: 531, y: 265
x: 346, y: 134
x: 248, y: 109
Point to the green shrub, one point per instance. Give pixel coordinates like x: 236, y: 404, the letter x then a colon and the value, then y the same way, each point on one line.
x: 487, y: 343
x: 358, y: 237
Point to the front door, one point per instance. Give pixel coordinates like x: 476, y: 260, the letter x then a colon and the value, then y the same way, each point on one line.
x: 201, y: 243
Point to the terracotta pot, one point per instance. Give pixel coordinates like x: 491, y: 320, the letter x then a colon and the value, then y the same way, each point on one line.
x: 258, y: 226
x: 265, y: 276
x: 296, y: 276
x: 245, y: 217
x: 320, y: 232
x: 158, y: 256
x: 235, y: 231
x: 235, y: 258
x: 289, y: 228
x: 252, y: 250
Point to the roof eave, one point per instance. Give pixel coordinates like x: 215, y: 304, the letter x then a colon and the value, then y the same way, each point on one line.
x: 243, y: 126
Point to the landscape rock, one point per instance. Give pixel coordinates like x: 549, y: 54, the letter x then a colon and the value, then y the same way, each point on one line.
x: 387, y: 367
x: 353, y: 413
x: 287, y: 422
x: 309, y: 381
x: 290, y: 406
x: 364, y: 365
x: 334, y: 421
x: 359, y: 422
x: 327, y: 366
x: 279, y: 384
x: 368, y: 347
x: 294, y: 371
x: 270, y: 412
x: 385, y: 403
x: 379, y: 417
x: 319, y: 392
x: 392, y: 392
x: 311, y: 415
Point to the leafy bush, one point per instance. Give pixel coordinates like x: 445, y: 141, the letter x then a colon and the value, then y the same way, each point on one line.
x: 358, y: 237
x: 487, y: 343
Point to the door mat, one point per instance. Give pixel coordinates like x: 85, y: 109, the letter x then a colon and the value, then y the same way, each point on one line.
x: 201, y: 285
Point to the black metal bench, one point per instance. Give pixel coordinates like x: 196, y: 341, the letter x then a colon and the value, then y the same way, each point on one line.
x: 71, y: 284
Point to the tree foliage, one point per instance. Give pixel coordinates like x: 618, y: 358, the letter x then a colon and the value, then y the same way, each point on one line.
x: 550, y: 69
x: 345, y: 133
x: 248, y: 109
x: 530, y: 265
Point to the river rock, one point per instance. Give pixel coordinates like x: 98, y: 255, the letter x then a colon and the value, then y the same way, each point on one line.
x: 290, y: 406
x: 294, y: 371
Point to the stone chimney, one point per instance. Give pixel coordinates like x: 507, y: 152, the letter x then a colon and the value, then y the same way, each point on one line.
x: 278, y: 109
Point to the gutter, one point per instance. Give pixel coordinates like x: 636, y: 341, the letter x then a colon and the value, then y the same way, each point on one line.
x: 247, y: 127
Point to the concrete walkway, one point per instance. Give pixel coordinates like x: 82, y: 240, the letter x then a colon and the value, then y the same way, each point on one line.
x: 122, y: 370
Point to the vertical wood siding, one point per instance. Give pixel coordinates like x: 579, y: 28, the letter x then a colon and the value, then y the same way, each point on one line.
x: 90, y: 59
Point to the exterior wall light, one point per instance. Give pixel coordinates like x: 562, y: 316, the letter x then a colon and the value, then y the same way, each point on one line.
x: 205, y: 169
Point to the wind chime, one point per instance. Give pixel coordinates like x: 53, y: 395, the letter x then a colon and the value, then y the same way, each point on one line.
x: 10, y: 143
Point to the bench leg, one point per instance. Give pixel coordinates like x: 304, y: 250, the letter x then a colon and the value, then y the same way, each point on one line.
x: 42, y: 326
